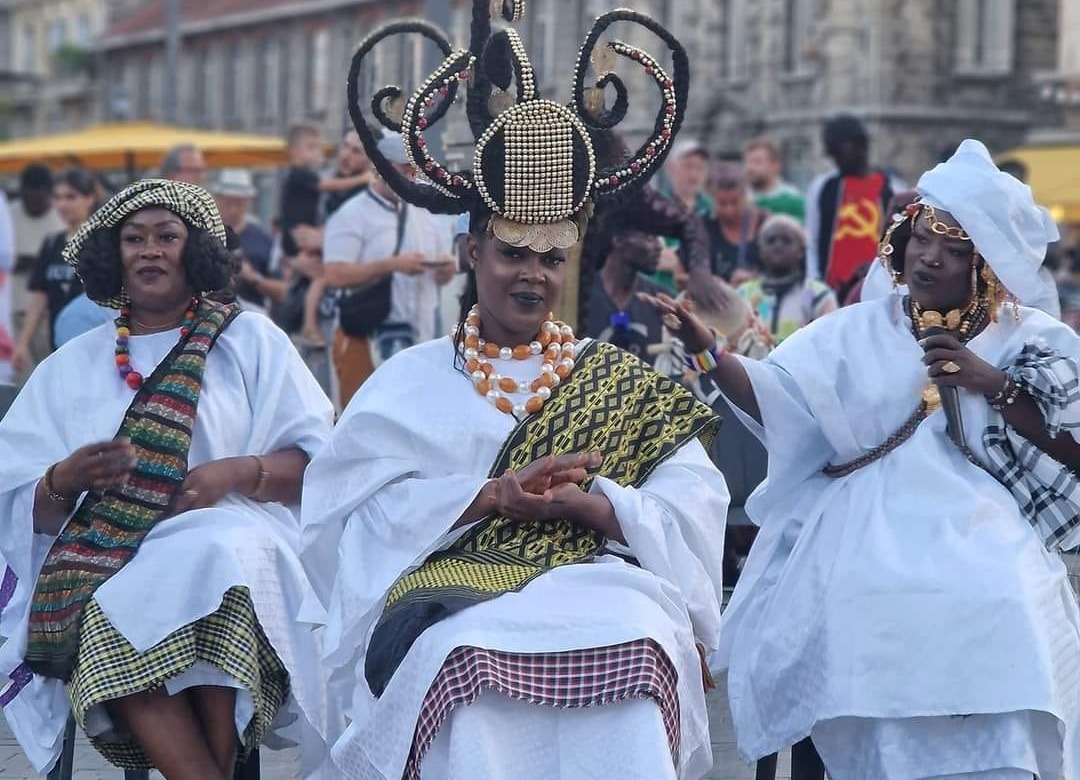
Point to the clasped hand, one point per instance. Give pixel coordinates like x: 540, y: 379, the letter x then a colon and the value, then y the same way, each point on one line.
x: 951, y: 364
x: 550, y: 488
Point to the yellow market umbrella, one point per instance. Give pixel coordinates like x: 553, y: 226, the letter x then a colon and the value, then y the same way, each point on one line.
x: 1054, y: 175
x: 138, y: 145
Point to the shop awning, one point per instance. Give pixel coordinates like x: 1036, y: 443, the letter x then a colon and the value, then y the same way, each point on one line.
x: 135, y: 146
x: 1054, y: 175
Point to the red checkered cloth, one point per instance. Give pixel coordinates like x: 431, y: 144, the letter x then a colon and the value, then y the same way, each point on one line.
x: 577, y: 678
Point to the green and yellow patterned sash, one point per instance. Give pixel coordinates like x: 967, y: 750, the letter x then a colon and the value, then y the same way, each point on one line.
x: 107, y: 529
x: 612, y: 403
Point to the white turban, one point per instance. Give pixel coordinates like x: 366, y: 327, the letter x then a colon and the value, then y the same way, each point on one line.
x: 998, y: 212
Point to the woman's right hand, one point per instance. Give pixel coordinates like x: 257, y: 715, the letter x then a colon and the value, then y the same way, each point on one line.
x: 679, y: 318
x: 99, y: 467
x: 526, y: 494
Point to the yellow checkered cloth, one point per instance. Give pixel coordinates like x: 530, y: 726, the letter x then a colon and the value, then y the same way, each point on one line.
x: 230, y: 639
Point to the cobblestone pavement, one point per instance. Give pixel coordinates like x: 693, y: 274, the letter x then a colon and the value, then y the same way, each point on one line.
x: 284, y: 765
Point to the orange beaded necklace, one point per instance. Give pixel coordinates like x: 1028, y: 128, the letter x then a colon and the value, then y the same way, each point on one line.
x: 557, y: 343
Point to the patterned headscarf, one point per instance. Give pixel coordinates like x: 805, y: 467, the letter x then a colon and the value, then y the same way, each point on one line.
x: 191, y: 203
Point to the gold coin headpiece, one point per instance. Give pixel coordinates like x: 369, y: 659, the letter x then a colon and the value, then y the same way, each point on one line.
x: 534, y: 168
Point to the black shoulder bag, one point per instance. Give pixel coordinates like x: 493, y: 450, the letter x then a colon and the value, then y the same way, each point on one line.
x: 363, y: 310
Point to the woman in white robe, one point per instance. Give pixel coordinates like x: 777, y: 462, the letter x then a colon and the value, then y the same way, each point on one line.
x: 257, y: 398
x: 494, y: 611
x: 903, y: 604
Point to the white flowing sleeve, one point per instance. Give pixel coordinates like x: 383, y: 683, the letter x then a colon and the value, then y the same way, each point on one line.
x: 31, y: 439
x: 359, y: 534
x: 674, y: 526
x: 288, y: 407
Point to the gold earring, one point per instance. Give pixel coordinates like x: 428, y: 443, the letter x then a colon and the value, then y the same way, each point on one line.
x: 974, y: 277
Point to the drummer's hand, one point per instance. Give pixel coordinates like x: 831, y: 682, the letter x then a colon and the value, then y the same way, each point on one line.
x: 98, y: 466
x: 950, y: 363
x: 207, y: 484
x: 679, y: 318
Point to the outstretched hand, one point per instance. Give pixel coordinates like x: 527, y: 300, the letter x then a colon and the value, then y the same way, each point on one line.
x: 679, y: 318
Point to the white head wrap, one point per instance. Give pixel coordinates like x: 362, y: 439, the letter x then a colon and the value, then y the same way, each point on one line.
x: 998, y: 212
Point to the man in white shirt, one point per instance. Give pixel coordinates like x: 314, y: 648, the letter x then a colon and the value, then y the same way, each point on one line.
x: 372, y: 236
x: 33, y: 219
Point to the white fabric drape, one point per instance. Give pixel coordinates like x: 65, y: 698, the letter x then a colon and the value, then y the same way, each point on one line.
x: 405, y: 460
x: 257, y: 397
x: 912, y: 587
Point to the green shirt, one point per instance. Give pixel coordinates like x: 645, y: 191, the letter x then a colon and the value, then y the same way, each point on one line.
x: 782, y: 199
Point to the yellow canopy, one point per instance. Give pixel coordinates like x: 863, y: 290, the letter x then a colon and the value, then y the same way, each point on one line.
x: 1054, y: 175
x: 138, y: 145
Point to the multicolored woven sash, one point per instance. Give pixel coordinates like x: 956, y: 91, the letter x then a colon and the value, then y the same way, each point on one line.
x: 107, y: 529
x: 612, y: 403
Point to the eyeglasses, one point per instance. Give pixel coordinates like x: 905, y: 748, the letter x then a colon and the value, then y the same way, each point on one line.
x: 779, y: 238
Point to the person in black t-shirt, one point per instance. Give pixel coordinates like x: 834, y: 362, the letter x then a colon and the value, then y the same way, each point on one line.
x: 53, y: 283
x: 301, y: 215
x: 615, y: 313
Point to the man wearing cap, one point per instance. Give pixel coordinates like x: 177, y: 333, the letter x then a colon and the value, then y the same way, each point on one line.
x: 234, y: 190
x: 686, y: 172
x: 374, y: 238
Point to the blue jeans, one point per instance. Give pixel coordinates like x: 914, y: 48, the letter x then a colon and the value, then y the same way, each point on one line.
x: 393, y: 337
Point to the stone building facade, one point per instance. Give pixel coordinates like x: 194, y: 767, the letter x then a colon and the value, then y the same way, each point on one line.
x: 922, y: 74
x: 49, y: 59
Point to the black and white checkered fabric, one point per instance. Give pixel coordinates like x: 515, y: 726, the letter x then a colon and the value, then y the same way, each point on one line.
x: 1047, y: 492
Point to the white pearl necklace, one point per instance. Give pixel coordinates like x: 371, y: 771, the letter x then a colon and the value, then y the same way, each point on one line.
x: 555, y: 341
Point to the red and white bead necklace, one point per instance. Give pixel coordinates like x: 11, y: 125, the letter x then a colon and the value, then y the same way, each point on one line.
x: 555, y: 341
x: 131, y: 377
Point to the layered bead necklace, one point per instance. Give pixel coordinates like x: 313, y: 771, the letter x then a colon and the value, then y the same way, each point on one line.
x: 966, y: 324
x: 131, y: 377
x: 555, y: 341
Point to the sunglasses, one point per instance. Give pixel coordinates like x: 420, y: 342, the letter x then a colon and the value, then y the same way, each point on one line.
x: 779, y: 238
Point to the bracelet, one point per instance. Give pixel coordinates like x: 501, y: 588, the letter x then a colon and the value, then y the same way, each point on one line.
x: 261, y: 480
x: 50, y: 491
x: 1006, y: 396
x: 705, y: 361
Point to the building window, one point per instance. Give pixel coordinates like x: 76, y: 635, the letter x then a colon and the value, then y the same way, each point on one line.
x: 731, y: 62
x: 984, y: 35
x: 200, y: 81
x: 143, y: 89
x: 318, y: 71
x: 798, y: 17
x: 84, y: 31
x: 57, y: 35
x: 232, y: 76
x: 265, y: 70
x: 29, y: 51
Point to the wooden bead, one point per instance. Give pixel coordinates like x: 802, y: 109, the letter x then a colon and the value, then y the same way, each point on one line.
x: 483, y: 387
x: 472, y: 364
x: 472, y: 342
x: 521, y: 352
x: 504, y: 405
x: 507, y: 385
x: 534, y: 404
x: 544, y: 338
x: 544, y: 380
x: 562, y: 371
x: 491, y: 350
x: 487, y: 368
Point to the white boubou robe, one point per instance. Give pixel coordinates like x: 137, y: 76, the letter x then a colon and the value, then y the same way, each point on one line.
x: 257, y: 397
x: 408, y: 456
x: 877, y: 608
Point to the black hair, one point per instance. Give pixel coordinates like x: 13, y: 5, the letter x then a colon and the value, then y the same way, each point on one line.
x: 36, y: 176
x: 844, y: 127
x: 82, y: 181
x: 207, y: 263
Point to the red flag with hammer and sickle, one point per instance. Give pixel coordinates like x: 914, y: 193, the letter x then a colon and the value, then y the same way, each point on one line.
x: 858, y: 227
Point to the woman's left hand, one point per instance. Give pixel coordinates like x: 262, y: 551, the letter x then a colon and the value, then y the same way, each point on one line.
x: 207, y: 484
x: 951, y: 364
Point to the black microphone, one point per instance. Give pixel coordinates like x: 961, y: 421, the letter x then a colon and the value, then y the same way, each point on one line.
x: 950, y: 399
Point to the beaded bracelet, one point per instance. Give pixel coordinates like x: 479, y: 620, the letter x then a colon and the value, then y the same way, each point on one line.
x: 261, y: 480
x: 1006, y: 396
x: 705, y: 361
x: 50, y: 491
